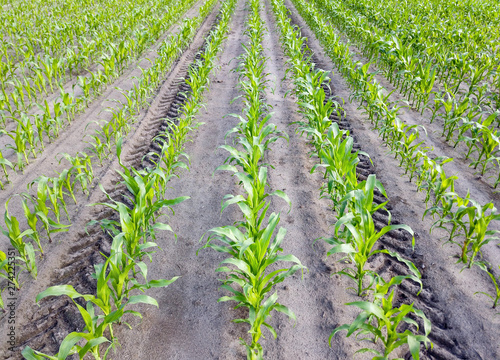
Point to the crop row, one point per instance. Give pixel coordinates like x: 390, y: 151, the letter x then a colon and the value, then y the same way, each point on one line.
x: 134, y: 235
x: 253, y: 245
x: 354, y: 205
x: 51, y: 192
x: 469, y: 116
x: 28, y: 135
x: 466, y: 220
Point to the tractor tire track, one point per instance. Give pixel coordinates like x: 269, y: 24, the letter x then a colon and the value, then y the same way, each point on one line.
x: 57, y: 316
x: 450, y: 340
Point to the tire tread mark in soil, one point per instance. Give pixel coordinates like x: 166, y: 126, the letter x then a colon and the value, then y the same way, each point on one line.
x: 445, y: 347
x: 57, y: 316
x: 400, y: 241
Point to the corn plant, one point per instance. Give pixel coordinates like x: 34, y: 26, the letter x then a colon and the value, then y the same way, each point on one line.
x: 25, y: 250
x: 47, y: 194
x: 452, y: 212
x: 250, y: 259
x: 65, y: 180
x: 96, y: 323
x: 82, y: 167
x: 359, y: 247
x: 381, y: 320
x: 4, y: 163
x: 20, y: 146
x: 339, y: 161
x: 32, y: 220
x: 477, y: 234
x: 488, y: 146
x: 496, y: 282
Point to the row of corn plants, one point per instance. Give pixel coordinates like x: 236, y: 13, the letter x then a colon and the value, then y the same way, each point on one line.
x: 29, y: 134
x: 353, y: 202
x: 459, y: 46
x: 134, y: 235
x: 124, y: 271
x: 42, y: 72
x: 44, y: 26
x: 469, y: 117
x: 414, y: 71
x: 52, y: 194
x: 467, y: 222
x: 253, y: 245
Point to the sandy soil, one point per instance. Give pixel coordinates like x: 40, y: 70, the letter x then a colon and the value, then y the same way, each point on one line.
x: 451, y: 292
x: 72, y: 136
x: 71, y: 256
x: 189, y: 323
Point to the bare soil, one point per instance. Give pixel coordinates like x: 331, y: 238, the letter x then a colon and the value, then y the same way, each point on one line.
x: 189, y: 323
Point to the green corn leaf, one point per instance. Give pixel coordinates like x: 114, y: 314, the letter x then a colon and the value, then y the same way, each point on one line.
x: 62, y: 290
x: 144, y: 299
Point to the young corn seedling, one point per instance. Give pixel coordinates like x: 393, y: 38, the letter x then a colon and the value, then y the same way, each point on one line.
x: 381, y: 320
x: 53, y: 196
x: 82, y: 168
x: 57, y: 192
x: 16, y: 237
x: 95, y: 323
x: 488, y: 146
x: 4, y: 163
x: 362, y: 197
x: 121, y: 266
x: 136, y: 225
x: 359, y: 247
x: 32, y: 220
x: 251, y: 258
x: 121, y: 118
x: 85, y: 85
x: 477, y: 234
x: 20, y: 145
x: 496, y: 282
x: 315, y: 108
x: 45, y: 193
x: 97, y: 147
x: 140, y: 221
x: 452, y: 212
x: 339, y: 160
x: 119, y: 291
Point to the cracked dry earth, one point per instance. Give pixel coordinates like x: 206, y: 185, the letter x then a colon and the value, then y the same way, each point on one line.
x: 189, y: 323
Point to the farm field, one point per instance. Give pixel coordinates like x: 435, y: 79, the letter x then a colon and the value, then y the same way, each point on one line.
x: 250, y: 179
